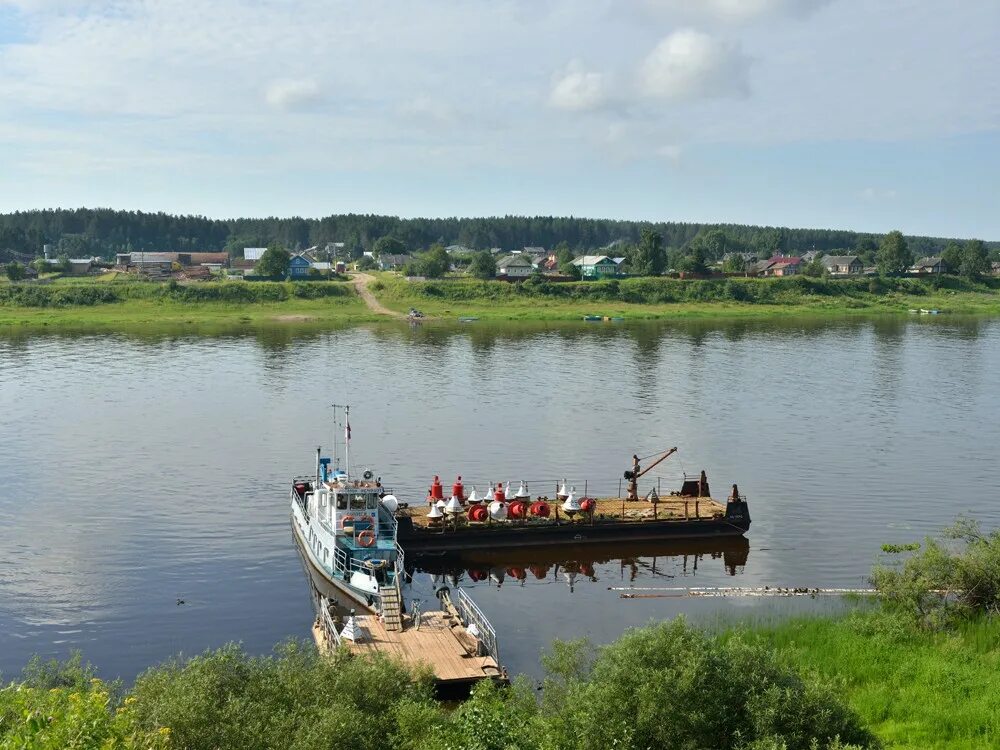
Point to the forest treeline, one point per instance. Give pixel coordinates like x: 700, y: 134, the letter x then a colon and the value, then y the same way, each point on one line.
x: 102, y: 232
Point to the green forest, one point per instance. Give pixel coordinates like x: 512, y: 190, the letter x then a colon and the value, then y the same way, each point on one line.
x: 103, y: 232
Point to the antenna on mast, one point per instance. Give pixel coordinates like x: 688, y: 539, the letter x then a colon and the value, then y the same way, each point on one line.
x: 336, y: 459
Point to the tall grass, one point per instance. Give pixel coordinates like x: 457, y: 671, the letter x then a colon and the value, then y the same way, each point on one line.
x: 68, y: 295
x: 914, y: 688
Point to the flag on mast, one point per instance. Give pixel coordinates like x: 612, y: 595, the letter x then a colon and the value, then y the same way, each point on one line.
x: 347, y: 430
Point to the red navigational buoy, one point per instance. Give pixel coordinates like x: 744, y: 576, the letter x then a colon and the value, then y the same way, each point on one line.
x: 539, y: 509
x: 517, y: 509
x: 458, y: 490
x: 478, y: 513
x: 500, y: 494
x: 437, y: 491
x: 587, y: 505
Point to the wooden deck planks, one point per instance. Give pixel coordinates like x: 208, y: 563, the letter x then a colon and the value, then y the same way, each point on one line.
x: 440, y: 644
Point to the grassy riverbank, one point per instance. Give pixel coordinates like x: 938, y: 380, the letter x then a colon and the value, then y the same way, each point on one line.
x: 675, y: 298
x: 913, y: 688
x: 107, y: 302
x: 112, y: 304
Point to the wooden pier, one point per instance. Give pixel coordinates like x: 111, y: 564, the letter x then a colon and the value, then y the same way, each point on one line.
x: 439, y: 640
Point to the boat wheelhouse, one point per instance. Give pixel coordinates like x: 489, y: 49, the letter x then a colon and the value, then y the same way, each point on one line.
x: 347, y: 530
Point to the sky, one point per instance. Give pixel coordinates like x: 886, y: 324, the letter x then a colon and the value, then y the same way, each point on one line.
x: 811, y: 113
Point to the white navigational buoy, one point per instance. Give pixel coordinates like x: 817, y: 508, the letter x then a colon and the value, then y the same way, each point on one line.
x: 522, y: 491
x: 498, y: 510
x: 453, y: 506
x: 435, y: 512
x: 563, y: 493
x: 352, y: 631
x: 474, y: 499
x: 572, y: 505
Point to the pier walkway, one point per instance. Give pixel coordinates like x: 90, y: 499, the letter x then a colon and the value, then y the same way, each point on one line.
x: 456, y: 643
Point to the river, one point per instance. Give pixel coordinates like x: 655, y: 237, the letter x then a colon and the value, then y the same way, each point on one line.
x: 143, y: 478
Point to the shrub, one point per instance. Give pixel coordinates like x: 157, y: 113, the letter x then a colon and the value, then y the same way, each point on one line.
x: 294, y: 699
x: 670, y: 686
x: 940, y: 585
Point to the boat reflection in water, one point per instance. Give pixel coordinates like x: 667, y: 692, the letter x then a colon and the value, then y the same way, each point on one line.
x: 572, y: 564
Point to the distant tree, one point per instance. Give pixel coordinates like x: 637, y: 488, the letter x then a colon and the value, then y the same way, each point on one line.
x: 694, y: 261
x: 366, y: 263
x: 568, y: 269
x: 648, y: 258
x: 714, y: 243
x: 388, y: 246
x: 814, y: 268
x: 865, y: 248
x: 435, y: 263
x: 893, y: 255
x: 64, y: 266
x: 952, y: 257
x: 975, y: 259
x: 483, y: 266
x: 735, y: 263
x: 274, y: 262
x: 41, y: 265
x: 15, y: 271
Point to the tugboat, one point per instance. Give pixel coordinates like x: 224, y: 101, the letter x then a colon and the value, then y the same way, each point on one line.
x: 347, y: 530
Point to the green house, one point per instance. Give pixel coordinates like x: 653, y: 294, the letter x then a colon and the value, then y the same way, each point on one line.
x: 596, y: 266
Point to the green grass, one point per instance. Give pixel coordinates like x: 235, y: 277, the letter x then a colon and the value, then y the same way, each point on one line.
x: 109, y: 303
x: 639, y: 299
x: 914, y: 689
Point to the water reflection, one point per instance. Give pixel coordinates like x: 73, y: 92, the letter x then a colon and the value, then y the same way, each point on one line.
x: 574, y: 564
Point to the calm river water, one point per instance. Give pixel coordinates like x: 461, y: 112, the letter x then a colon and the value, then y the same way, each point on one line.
x: 140, y: 470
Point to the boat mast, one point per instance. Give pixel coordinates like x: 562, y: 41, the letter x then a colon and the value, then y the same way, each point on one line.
x: 347, y: 441
x: 347, y: 436
x: 336, y: 460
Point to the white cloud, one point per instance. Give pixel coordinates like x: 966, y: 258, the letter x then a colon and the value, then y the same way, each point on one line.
x: 736, y: 11
x: 689, y: 64
x: 878, y: 194
x: 577, y: 89
x: 671, y: 152
x: 290, y: 95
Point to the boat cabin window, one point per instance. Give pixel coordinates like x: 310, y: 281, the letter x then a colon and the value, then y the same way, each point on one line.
x: 359, y: 502
x: 341, y: 502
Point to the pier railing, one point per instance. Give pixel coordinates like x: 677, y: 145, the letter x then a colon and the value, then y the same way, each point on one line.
x: 326, y: 623
x: 470, y: 613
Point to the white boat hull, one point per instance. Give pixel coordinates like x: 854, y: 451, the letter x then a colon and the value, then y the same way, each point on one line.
x: 363, y: 593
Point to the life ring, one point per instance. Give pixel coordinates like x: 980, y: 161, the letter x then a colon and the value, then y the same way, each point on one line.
x: 347, y: 520
x: 366, y: 538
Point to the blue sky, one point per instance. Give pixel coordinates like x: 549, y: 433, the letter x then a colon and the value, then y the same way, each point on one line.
x: 819, y: 113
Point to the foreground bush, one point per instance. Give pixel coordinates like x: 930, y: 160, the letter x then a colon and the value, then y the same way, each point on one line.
x: 295, y: 699
x: 63, y: 707
x: 671, y: 686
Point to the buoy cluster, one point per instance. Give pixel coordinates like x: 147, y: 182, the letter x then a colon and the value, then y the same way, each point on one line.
x: 498, y: 504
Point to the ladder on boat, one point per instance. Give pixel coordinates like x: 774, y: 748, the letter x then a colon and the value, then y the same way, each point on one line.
x: 392, y: 609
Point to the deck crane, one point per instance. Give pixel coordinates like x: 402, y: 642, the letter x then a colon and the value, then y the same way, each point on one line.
x: 634, y: 475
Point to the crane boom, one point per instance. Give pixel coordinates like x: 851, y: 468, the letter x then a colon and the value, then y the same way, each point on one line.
x: 634, y: 475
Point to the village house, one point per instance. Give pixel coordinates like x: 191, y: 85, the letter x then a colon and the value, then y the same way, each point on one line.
x: 843, y: 265
x: 518, y: 266
x: 929, y: 265
x: 779, y: 265
x: 596, y: 266
x: 301, y: 266
x: 393, y: 262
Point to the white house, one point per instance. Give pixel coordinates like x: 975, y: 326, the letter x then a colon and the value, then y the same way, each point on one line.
x: 515, y: 266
